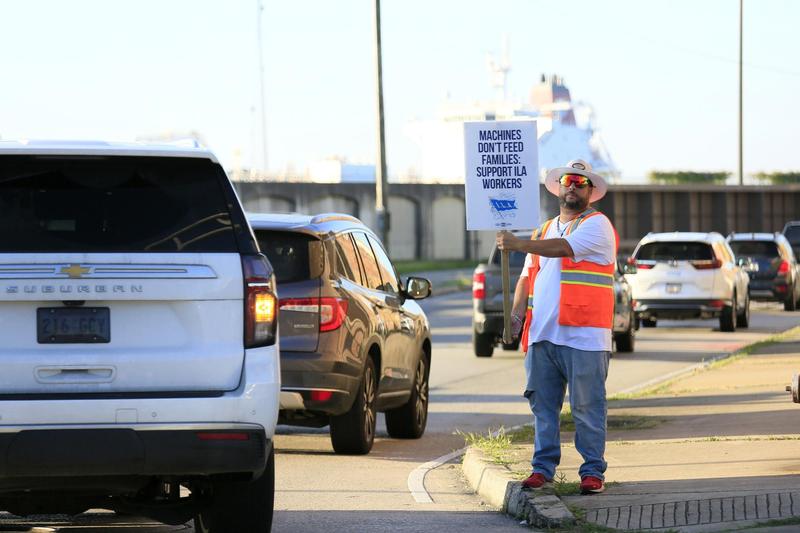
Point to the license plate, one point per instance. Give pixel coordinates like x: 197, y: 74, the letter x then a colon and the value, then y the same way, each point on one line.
x: 673, y: 288
x: 63, y: 325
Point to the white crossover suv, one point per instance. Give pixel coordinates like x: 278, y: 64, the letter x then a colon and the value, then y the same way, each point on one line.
x: 140, y: 367
x: 688, y: 275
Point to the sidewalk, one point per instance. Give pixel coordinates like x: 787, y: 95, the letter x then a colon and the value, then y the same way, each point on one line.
x: 714, y: 451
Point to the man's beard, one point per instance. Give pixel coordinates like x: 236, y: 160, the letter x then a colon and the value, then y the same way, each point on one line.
x: 578, y: 204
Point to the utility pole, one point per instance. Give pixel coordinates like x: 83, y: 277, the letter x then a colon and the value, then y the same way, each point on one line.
x: 381, y: 210
x: 261, y: 79
x: 741, y: 127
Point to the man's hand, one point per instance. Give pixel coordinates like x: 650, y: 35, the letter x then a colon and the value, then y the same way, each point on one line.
x: 516, y: 326
x: 506, y: 241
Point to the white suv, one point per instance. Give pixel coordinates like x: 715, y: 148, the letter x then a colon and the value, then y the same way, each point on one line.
x: 138, y: 318
x: 688, y: 275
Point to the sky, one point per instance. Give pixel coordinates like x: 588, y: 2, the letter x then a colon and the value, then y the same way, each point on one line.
x: 661, y: 76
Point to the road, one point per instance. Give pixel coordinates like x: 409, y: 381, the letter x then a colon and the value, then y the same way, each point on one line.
x: 317, y: 489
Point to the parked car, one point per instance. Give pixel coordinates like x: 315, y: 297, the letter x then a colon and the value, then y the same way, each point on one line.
x: 682, y: 275
x: 353, y: 339
x: 487, y: 305
x: 792, y: 233
x: 776, y: 274
x: 140, y: 355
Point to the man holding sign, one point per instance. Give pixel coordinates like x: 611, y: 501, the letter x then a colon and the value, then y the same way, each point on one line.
x: 568, y: 285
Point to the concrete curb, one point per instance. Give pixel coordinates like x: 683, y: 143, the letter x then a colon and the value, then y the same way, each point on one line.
x: 495, y: 484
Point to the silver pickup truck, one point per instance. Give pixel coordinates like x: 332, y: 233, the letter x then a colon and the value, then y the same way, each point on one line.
x: 487, y: 305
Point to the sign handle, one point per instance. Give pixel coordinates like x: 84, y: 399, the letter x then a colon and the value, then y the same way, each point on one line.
x: 507, y: 338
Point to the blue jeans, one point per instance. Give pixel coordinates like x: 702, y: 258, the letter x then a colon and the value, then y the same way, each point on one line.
x: 550, y: 368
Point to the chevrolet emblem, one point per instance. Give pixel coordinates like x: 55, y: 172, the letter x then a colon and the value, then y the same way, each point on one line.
x: 75, y: 271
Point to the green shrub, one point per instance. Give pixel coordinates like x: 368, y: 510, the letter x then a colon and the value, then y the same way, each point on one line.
x: 683, y: 177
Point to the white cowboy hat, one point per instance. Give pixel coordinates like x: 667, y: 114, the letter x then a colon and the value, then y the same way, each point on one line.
x: 577, y: 166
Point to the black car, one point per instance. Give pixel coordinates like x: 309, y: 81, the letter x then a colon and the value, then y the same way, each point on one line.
x: 487, y: 305
x: 775, y: 274
x: 792, y: 233
x: 352, y: 339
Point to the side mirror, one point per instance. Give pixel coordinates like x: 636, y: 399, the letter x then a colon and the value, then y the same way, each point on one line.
x: 418, y: 288
x: 629, y: 267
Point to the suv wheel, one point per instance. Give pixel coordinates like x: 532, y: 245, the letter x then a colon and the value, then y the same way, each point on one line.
x: 625, y: 340
x: 240, y: 505
x: 790, y: 304
x: 354, y: 432
x: 408, y: 421
x: 483, y: 344
x: 743, y: 318
x: 727, y: 320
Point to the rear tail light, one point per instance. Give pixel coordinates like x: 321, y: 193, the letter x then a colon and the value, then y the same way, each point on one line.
x: 332, y: 311
x: 784, y: 267
x: 640, y: 265
x: 260, y: 302
x: 706, y: 264
x: 718, y: 304
x: 479, y: 286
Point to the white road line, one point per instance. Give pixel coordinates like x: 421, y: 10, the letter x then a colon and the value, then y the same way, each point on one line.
x: 416, y: 479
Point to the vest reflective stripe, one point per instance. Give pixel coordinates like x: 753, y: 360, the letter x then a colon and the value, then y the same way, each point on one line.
x: 587, y: 289
x: 533, y: 270
x: 581, y: 277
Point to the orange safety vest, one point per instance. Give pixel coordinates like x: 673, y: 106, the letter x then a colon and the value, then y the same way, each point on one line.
x: 587, y: 288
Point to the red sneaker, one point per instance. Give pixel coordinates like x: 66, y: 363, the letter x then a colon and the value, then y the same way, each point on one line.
x: 537, y: 481
x: 592, y: 485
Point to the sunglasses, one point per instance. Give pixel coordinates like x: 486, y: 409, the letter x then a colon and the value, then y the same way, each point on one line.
x: 577, y: 180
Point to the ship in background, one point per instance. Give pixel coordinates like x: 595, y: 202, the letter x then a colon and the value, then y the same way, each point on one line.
x: 566, y: 129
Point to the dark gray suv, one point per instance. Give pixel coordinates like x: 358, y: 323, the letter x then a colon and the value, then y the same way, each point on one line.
x: 352, y: 339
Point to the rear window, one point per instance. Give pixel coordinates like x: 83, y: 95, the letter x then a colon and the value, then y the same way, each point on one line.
x: 767, y: 249
x: 675, y: 251
x: 113, y: 204
x: 288, y: 253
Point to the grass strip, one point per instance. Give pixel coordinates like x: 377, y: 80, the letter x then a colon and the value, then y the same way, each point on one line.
x: 406, y: 267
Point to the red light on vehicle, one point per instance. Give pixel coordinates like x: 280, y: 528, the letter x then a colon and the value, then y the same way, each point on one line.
x: 644, y: 266
x: 321, y: 395
x: 706, y: 264
x: 718, y: 304
x: 784, y: 267
x: 332, y: 311
x: 781, y: 288
x: 479, y: 286
x: 260, y: 318
x: 223, y: 436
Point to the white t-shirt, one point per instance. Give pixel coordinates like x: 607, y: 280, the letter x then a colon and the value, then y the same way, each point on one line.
x: 593, y: 241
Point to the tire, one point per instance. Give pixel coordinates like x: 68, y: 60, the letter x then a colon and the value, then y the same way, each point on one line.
x: 648, y: 322
x: 409, y: 420
x: 743, y: 318
x: 626, y: 340
x: 727, y: 320
x: 483, y: 344
x: 354, y: 432
x: 790, y: 303
x: 240, y: 505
